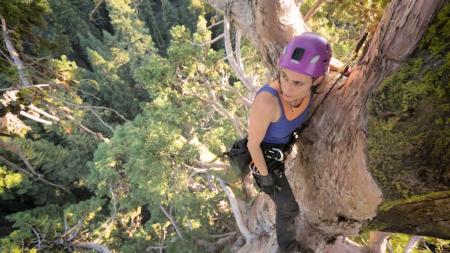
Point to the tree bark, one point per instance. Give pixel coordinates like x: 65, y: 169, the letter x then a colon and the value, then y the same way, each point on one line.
x: 426, y: 215
x: 269, y: 25
x: 329, y: 174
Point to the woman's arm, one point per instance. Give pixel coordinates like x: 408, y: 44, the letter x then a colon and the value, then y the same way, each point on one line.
x: 262, y: 113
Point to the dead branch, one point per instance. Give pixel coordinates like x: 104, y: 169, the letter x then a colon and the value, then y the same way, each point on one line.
x: 172, y: 221
x: 96, y: 135
x: 97, y: 6
x: 108, y: 223
x: 248, y: 82
x: 224, y: 83
x: 211, y: 41
x: 378, y: 241
x: 14, y: 55
x: 88, y: 245
x: 218, y: 245
x: 218, y: 166
x: 37, y: 177
x: 224, y: 112
x: 28, y: 87
x: 215, y: 24
x: 160, y: 248
x: 101, y: 120
x: 223, y: 235
x: 313, y: 10
x: 35, y: 118
x: 237, y: 48
x: 38, y: 246
x: 236, y: 211
x: 42, y: 112
x: 97, y: 107
x: 412, y: 243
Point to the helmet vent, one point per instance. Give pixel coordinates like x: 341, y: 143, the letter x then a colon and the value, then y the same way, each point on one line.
x: 315, y: 59
x: 297, y: 54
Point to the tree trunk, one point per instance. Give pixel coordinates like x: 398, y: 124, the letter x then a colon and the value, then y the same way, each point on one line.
x: 329, y: 172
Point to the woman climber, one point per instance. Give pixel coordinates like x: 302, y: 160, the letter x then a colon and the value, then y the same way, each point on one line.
x: 278, y: 109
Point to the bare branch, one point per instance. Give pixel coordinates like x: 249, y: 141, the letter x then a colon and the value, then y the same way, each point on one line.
x: 6, y: 57
x: 210, y: 165
x: 237, y: 213
x: 38, y: 177
x: 215, y: 24
x: 378, y: 241
x: 220, y: 109
x: 35, y: 118
x: 248, y: 82
x: 96, y: 135
x: 73, y: 231
x: 223, y: 235
x: 237, y: 48
x: 28, y: 87
x: 211, y: 41
x: 42, y: 112
x: 108, y: 223
x: 97, y: 107
x: 14, y: 55
x: 160, y: 248
x: 224, y: 83
x: 88, y: 245
x: 412, y: 243
x: 38, y: 246
x: 101, y: 120
x: 313, y: 10
x: 97, y: 6
x: 172, y: 222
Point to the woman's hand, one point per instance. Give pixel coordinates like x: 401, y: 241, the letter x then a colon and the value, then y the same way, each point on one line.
x: 267, y: 184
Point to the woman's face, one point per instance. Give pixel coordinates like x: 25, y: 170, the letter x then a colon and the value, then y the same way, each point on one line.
x: 294, y: 86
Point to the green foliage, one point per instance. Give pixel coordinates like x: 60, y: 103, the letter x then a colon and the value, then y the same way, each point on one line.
x: 409, y: 119
x: 53, y: 221
x: 437, y: 36
x: 110, y: 59
x: 161, y: 16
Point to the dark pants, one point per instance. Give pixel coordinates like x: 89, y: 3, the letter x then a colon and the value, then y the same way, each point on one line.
x: 287, y: 209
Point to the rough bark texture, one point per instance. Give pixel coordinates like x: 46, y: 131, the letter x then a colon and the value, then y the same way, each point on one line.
x: 427, y: 215
x: 269, y: 25
x: 329, y: 172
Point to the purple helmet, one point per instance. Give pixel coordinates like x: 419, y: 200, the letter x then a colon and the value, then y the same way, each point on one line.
x: 308, y: 53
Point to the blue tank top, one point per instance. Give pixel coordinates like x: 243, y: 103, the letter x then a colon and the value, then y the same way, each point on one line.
x: 279, y: 132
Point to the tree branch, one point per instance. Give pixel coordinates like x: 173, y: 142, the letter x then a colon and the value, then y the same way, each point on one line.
x: 101, y: 120
x: 215, y: 24
x: 313, y: 10
x: 97, y: 107
x: 211, y: 41
x: 227, y: 86
x: 38, y: 177
x: 412, y: 243
x: 27, y: 87
x: 236, y: 211
x: 42, y: 112
x: 38, y: 246
x: 35, y: 118
x: 97, y: 6
x: 172, y: 222
x: 237, y: 48
x: 249, y: 83
x: 94, y: 246
x: 14, y: 55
